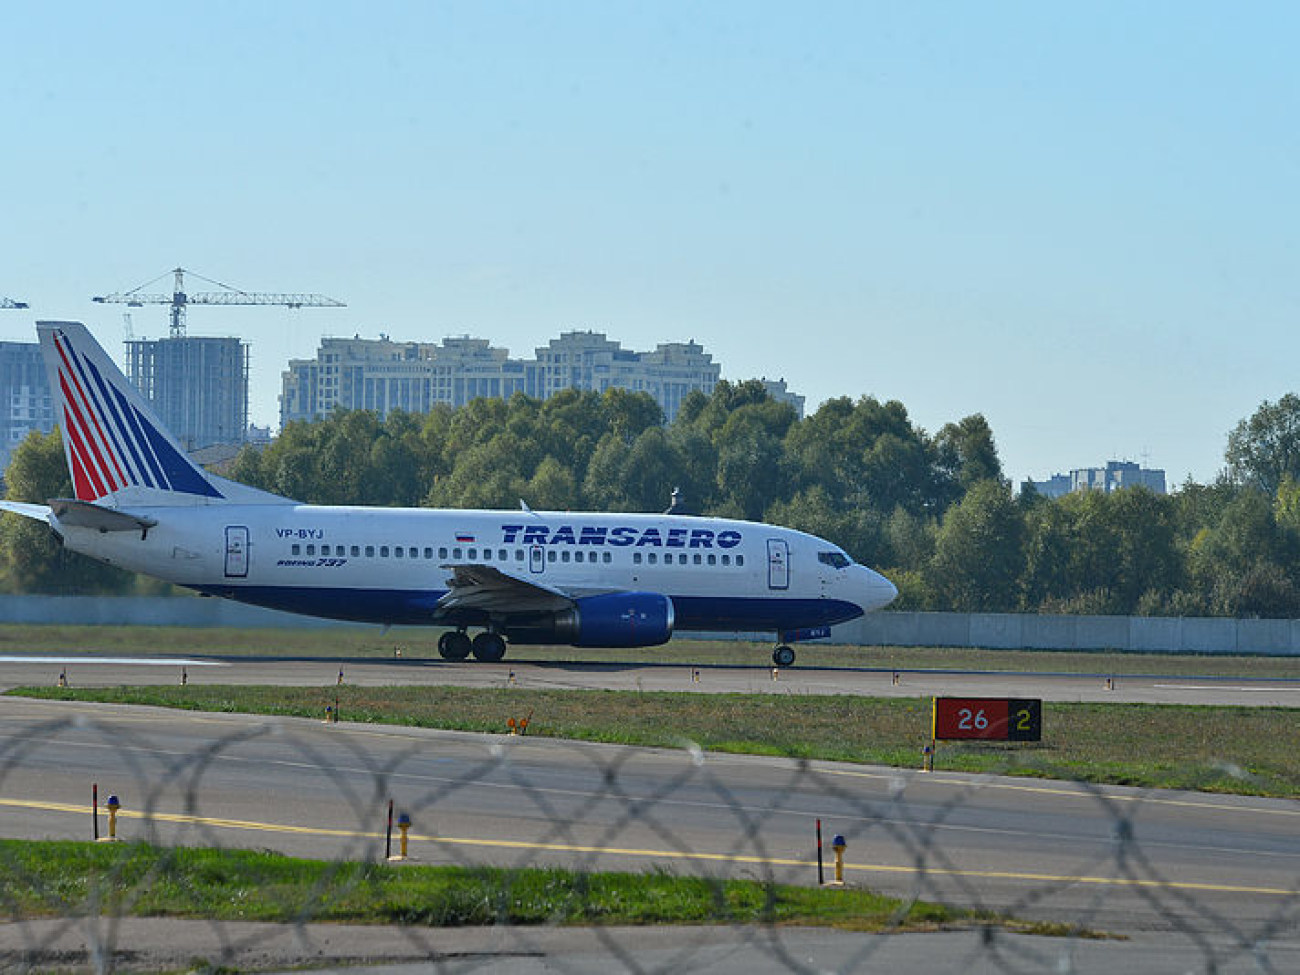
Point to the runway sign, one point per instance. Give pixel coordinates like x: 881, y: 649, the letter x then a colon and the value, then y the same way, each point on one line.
x: 987, y: 718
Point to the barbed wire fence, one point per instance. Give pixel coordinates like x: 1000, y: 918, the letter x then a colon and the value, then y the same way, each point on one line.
x: 519, y: 803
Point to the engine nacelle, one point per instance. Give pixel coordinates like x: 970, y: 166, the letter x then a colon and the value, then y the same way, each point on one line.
x: 623, y: 619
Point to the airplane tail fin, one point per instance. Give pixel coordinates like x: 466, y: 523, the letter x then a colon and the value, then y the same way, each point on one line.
x: 116, y: 447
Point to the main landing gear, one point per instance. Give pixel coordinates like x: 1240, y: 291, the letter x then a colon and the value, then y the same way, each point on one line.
x: 488, y: 646
x: 783, y: 656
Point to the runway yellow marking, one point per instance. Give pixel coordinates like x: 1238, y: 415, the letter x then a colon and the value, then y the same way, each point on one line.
x: 864, y: 868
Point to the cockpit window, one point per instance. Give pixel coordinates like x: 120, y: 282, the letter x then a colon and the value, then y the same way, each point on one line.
x: 836, y: 560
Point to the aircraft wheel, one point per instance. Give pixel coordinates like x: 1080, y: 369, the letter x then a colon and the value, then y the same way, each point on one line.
x: 454, y: 645
x: 783, y: 656
x: 489, y: 647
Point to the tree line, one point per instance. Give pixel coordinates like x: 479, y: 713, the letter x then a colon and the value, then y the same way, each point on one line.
x: 932, y: 511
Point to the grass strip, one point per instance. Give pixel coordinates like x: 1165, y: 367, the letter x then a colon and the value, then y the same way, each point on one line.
x: 1208, y: 748
x: 52, y: 879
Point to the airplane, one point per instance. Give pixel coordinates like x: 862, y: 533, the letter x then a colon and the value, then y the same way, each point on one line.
x: 519, y: 577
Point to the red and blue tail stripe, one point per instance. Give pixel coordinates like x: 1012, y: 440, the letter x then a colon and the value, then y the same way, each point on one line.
x: 112, y: 443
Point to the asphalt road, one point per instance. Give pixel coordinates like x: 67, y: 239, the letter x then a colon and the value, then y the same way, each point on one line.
x: 97, y: 671
x: 1193, y: 871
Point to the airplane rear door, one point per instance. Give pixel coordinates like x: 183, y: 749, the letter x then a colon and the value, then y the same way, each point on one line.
x: 778, y: 564
x: 236, y: 552
x: 537, y: 559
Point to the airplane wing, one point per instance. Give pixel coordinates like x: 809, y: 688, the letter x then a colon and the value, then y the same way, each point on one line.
x: 487, y: 588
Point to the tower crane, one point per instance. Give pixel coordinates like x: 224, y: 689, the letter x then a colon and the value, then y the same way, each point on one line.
x: 179, y: 299
x: 10, y: 303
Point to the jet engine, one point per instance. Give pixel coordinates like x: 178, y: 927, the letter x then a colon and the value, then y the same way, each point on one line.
x: 623, y: 619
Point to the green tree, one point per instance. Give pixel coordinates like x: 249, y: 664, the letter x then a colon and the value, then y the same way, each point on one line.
x: 966, y: 454
x: 978, y: 558
x: 553, y: 487
x: 1265, y: 448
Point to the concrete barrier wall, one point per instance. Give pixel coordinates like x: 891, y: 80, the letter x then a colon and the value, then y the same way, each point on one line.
x: 147, y: 611
x: 1001, y: 631
x: 1136, y: 634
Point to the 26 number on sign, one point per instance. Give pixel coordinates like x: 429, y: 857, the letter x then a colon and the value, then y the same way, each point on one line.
x: 989, y: 719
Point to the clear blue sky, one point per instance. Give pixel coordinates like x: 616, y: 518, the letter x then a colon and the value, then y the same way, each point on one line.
x: 1079, y: 220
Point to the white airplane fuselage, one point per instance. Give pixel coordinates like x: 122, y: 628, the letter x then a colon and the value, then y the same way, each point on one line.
x: 389, y: 565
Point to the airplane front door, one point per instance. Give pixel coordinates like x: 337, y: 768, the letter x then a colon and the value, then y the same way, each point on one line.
x: 778, y: 564
x: 236, y: 552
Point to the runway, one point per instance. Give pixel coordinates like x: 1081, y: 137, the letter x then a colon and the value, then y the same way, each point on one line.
x: 87, y: 670
x: 1112, y: 859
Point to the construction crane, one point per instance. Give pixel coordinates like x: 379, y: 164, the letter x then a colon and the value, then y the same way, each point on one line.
x: 10, y: 303
x: 179, y: 299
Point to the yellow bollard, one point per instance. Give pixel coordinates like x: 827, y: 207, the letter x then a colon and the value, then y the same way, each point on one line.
x: 63, y: 677
x: 776, y: 672
x: 927, y: 758
x: 839, y: 846
x: 340, y: 676
x: 113, y: 805
x: 404, y: 827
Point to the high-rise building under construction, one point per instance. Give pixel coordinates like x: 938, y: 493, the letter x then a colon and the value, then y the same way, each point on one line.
x: 199, y: 386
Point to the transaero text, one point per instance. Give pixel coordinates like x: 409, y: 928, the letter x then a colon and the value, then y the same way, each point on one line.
x: 621, y: 536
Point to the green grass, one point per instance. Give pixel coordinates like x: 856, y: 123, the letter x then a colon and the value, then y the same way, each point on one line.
x: 1215, y: 749
x: 64, y: 879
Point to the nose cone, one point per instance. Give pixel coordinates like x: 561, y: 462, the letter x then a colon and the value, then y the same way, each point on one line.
x: 875, y: 590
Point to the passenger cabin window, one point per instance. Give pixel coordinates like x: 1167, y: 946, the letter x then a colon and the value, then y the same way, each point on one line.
x: 383, y: 551
x: 356, y: 551
x: 370, y: 551
x: 442, y: 553
x: 428, y: 553
x: 295, y: 550
x: 836, y: 560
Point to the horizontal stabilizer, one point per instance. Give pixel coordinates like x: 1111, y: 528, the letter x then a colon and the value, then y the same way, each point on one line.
x: 38, y: 512
x: 83, y: 514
